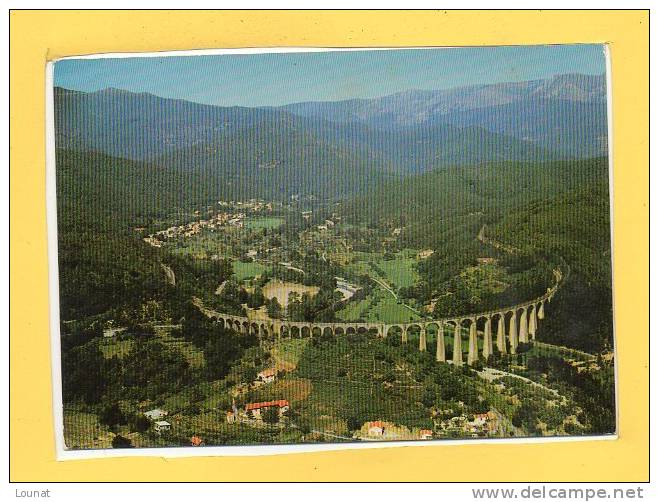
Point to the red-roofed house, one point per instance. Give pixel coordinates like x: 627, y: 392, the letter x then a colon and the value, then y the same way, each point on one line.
x: 257, y: 408
x: 425, y: 434
x: 267, y: 375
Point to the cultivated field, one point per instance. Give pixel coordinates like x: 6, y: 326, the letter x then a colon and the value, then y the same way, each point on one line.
x: 247, y: 270
x: 265, y: 222
x: 380, y: 306
x: 281, y: 290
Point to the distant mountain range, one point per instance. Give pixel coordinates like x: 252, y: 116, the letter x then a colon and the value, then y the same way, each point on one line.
x: 565, y: 114
x: 413, y: 107
x: 329, y: 148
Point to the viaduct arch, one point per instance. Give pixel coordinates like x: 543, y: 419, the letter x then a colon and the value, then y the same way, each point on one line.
x: 506, y: 327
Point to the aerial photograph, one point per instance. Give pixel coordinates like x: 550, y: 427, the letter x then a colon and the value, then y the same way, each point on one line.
x: 334, y: 246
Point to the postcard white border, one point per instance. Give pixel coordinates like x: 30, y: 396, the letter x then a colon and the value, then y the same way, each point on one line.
x: 252, y: 450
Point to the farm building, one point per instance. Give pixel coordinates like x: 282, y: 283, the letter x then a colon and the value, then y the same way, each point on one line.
x: 257, y: 408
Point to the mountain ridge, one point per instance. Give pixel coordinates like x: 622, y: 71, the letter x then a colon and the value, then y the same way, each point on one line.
x: 407, y: 132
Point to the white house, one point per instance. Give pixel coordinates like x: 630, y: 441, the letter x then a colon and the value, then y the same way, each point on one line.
x: 111, y: 332
x: 162, y: 426
x: 375, y: 428
x: 156, y: 414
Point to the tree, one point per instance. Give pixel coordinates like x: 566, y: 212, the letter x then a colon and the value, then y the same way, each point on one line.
x: 219, y: 352
x: 256, y: 299
x: 111, y: 415
x: 274, y: 308
x: 249, y: 374
x: 121, y: 442
x: 84, y: 373
x: 304, y: 426
x: 139, y: 423
x: 526, y: 416
x: 152, y: 368
x: 271, y: 415
x: 354, y: 422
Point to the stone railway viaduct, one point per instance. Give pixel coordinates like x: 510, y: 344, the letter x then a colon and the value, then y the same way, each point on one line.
x: 514, y: 325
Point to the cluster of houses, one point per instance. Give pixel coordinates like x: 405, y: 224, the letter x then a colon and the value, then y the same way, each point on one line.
x: 328, y: 223
x: 253, y: 205
x: 253, y: 412
x: 223, y: 218
x: 156, y: 416
x: 478, y: 425
x: 218, y: 220
x: 379, y: 430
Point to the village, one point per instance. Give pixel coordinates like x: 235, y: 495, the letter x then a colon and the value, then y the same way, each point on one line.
x: 231, y: 214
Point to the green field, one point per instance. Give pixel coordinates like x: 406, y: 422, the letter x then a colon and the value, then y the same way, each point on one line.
x: 379, y: 307
x: 400, y: 272
x: 247, y: 270
x: 287, y: 352
x: 120, y: 348
x: 353, y: 311
x: 194, y: 355
x: 202, y: 246
x: 113, y: 347
x: 388, y: 310
x: 265, y: 222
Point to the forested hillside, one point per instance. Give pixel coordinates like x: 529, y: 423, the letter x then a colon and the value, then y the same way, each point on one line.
x: 575, y: 226
x: 103, y: 262
x: 549, y: 211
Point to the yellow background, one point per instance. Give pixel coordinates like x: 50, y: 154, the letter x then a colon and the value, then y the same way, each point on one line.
x: 40, y: 35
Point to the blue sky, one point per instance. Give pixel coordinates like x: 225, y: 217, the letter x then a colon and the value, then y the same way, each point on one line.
x: 276, y: 79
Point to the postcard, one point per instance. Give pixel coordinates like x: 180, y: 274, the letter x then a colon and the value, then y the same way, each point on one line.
x: 345, y: 247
